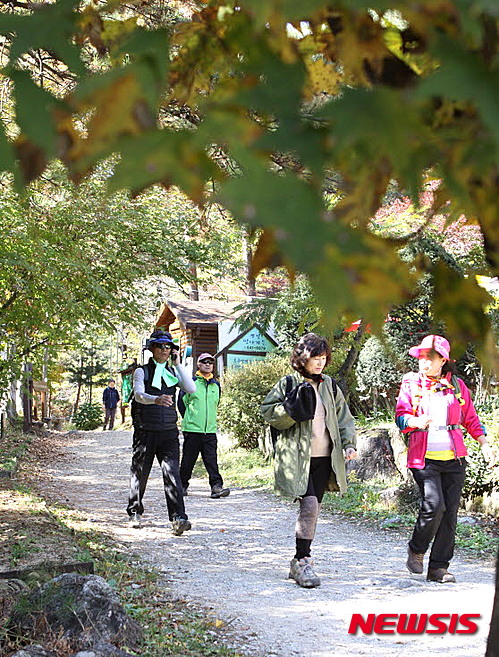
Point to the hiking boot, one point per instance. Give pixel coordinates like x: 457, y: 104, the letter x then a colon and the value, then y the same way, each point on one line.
x: 180, y: 525
x: 301, y: 571
x: 441, y: 575
x: 218, y: 491
x: 414, y: 561
x: 135, y: 520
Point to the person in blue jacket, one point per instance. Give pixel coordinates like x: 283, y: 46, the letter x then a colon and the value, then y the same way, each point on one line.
x: 199, y: 427
x: 110, y: 399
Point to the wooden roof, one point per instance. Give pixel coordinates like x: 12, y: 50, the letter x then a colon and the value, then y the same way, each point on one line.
x: 193, y: 313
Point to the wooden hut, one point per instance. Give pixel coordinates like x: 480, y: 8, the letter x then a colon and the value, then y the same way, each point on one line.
x: 196, y: 324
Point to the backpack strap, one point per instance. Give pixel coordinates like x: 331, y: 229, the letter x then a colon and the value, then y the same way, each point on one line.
x: 334, y: 386
x: 457, y: 390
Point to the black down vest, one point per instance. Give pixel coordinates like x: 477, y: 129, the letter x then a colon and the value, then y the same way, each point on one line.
x: 152, y: 417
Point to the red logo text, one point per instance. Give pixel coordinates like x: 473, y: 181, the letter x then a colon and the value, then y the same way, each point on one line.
x: 414, y: 624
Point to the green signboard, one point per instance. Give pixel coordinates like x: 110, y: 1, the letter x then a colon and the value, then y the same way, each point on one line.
x: 239, y: 360
x: 253, y: 341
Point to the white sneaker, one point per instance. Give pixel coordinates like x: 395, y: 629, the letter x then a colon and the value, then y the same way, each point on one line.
x: 135, y: 520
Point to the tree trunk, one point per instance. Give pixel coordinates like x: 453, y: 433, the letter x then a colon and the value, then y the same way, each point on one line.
x: 493, y: 640
x: 194, y: 289
x: 27, y: 396
x: 248, y: 256
x: 350, y: 359
x: 78, y: 389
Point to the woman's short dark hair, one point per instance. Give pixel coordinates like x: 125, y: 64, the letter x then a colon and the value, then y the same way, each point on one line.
x: 308, y: 346
x: 448, y: 366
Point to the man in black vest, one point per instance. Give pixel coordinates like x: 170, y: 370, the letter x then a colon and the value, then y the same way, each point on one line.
x: 155, y: 429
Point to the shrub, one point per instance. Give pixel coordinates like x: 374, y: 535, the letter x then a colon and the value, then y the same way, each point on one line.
x: 480, y: 479
x: 378, y: 379
x: 88, y: 417
x: 244, y: 390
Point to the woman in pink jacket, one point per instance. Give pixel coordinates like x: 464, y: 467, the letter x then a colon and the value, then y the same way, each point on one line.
x: 432, y: 406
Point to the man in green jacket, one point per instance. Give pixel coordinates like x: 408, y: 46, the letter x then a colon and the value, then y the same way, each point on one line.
x: 199, y: 427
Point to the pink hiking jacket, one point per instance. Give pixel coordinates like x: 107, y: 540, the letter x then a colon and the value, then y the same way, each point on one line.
x: 461, y: 411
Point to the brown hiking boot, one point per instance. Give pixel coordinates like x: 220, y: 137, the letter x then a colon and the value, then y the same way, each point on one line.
x: 441, y: 575
x: 414, y: 561
x: 180, y: 525
x: 301, y: 571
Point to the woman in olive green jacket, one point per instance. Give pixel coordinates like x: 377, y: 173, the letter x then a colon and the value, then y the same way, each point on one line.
x: 317, y: 435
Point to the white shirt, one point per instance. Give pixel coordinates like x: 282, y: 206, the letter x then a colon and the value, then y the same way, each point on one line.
x: 439, y: 440
x: 321, y: 440
x: 141, y: 396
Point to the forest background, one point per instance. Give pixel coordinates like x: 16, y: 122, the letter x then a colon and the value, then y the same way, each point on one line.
x: 152, y: 147
x: 321, y: 164
x: 328, y: 166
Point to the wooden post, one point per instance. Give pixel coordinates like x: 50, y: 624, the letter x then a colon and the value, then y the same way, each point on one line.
x: 27, y: 396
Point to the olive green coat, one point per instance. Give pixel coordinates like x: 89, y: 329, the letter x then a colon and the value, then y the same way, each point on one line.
x: 293, y: 448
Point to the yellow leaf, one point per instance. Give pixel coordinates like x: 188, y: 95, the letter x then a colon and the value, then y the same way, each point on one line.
x: 322, y: 77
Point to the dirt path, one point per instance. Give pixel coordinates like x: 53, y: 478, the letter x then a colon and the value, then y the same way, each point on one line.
x: 235, y: 558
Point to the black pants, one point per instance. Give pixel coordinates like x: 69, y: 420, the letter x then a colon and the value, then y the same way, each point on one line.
x: 163, y: 445
x: 320, y: 471
x: 110, y: 415
x: 440, y: 483
x: 206, y: 445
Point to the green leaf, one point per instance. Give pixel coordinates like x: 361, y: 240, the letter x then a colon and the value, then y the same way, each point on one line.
x: 350, y: 270
x: 463, y: 76
x: 460, y: 303
x: 369, y: 126
x: 38, y: 126
x: 51, y: 28
x: 7, y: 160
x: 277, y: 91
x: 295, y: 10
x: 261, y: 198
x: 309, y: 144
x: 164, y: 157
x: 151, y: 47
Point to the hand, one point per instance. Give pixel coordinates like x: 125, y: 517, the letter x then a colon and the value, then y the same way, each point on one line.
x: 350, y: 453
x: 164, y: 400
x: 175, y: 357
x: 488, y: 454
x: 420, y: 422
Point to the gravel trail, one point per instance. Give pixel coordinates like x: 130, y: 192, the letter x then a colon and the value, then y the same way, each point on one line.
x: 235, y: 560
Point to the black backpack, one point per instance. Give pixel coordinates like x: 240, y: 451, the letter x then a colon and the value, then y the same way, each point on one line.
x: 274, y: 433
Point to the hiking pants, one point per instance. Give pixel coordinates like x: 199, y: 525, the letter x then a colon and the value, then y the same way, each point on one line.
x: 163, y: 445
x: 206, y: 445
x: 440, y: 483
x: 310, y: 504
x: 110, y: 415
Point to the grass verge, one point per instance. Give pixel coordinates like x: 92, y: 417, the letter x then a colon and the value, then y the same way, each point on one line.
x: 171, y: 626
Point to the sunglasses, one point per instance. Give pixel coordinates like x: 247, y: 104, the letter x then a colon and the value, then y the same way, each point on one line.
x: 207, y: 361
x: 162, y: 346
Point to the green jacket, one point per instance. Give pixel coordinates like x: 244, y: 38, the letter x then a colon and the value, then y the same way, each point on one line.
x: 200, y: 414
x: 292, y: 456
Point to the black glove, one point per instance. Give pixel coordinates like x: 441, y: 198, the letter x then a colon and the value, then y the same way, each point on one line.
x: 300, y: 403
